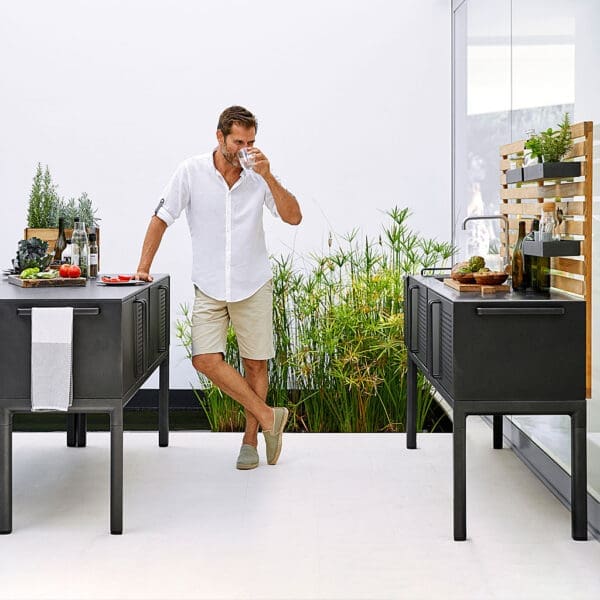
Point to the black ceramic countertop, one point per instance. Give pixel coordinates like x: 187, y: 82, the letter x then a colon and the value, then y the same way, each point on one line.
x: 94, y: 290
x: 439, y: 287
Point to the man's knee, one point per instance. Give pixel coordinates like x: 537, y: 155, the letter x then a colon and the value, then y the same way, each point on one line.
x: 206, y: 363
x: 254, y: 366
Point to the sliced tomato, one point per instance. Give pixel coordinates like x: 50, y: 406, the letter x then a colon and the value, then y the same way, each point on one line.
x: 124, y: 277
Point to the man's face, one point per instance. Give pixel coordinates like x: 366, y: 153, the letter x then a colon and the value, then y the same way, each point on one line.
x: 239, y: 137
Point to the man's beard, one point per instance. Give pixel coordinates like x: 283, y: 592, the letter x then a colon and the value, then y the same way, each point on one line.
x: 230, y: 157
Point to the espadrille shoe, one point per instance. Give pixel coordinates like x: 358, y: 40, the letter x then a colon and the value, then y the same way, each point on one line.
x: 274, y: 437
x: 248, y: 458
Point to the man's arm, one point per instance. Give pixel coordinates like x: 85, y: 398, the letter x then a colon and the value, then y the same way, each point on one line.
x: 154, y: 234
x: 286, y: 203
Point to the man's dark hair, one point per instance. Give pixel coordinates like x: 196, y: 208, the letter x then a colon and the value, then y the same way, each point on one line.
x: 236, y: 115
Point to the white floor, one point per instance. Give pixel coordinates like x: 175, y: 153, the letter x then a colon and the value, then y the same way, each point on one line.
x: 340, y: 516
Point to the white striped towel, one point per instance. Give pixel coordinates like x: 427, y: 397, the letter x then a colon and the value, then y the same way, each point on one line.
x: 51, y: 358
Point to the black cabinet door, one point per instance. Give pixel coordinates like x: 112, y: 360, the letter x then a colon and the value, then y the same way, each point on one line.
x: 440, y: 340
x: 415, y: 332
x: 135, y: 337
x: 158, y: 311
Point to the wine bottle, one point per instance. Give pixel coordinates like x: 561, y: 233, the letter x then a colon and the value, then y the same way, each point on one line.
x: 61, y: 241
x: 519, y: 283
x: 93, y: 256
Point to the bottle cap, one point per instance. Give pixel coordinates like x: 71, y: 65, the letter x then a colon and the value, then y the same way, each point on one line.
x: 548, y: 206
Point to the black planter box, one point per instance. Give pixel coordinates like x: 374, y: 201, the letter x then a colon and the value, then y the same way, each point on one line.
x: 514, y: 175
x: 554, y: 248
x: 551, y: 170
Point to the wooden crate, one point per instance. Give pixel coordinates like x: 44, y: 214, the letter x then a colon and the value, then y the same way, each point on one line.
x: 50, y: 235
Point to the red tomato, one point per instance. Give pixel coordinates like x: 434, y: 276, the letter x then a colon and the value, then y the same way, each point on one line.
x: 74, y: 271
x: 124, y: 277
x: 64, y: 270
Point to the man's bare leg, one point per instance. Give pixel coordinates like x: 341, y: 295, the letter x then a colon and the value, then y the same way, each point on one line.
x: 258, y: 379
x: 229, y: 381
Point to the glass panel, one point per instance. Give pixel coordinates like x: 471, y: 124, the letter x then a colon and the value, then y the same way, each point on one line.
x: 481, y: 123
x: 521, y: 65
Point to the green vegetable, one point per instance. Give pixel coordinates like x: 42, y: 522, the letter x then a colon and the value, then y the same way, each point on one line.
x: 51, y: 274
x: 33, y: 253
x: 476, y: 263
x: 29, y: 273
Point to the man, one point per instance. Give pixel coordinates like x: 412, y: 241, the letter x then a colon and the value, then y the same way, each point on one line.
x: 231, y: 270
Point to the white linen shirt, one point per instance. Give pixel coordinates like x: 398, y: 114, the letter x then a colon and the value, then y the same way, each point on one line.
x: 229, y: 254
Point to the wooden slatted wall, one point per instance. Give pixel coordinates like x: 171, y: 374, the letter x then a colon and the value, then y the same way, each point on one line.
x: 523, y: 201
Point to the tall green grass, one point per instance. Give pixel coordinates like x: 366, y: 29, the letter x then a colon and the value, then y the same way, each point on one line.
x: 340, y: 359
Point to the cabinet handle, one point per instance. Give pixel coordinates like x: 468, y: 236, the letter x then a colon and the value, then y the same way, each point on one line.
x: 414, y: 318
x: 526, y: 312
x: 163, y: 320
x: 435, y: 307
x: 140, y: 353
x: 77, y: 312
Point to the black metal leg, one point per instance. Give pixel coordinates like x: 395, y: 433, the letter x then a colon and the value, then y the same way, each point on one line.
x: 71, y: 430
x: 116, y: 470
x: 5, y: 471
x: 163, y: 403
x: 80, y: 430
x: 579, y: 475
x: 459, y: 440
x: 411, y: 405
x: 498, y: 434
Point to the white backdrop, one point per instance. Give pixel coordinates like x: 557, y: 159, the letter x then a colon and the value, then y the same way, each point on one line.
x: 353, y: 102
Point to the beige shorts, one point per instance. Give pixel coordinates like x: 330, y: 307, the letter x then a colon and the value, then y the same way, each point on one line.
x: 252, y: 321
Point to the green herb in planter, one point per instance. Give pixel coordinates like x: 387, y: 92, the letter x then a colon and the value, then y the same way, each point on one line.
x: 44, y: 202
x: 45, y: 206
x: 550, y: 145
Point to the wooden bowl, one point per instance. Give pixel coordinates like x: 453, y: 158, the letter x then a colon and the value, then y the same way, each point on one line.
x: 490, y: 278
x: 463, y: 277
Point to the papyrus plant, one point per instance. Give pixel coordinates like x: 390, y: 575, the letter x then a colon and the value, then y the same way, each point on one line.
x: 340, y: 361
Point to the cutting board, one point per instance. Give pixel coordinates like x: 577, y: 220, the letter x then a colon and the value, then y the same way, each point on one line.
x: 51, y: 283
x: 476, y: 287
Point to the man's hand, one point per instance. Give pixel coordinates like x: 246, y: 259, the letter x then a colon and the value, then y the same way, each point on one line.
x: 143, y: 276
x: 261, y: 162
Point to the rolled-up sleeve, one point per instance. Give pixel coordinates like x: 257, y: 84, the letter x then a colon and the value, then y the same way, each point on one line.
x: 175, y: 197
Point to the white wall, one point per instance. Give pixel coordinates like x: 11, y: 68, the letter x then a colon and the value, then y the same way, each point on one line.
x: 353, y: 101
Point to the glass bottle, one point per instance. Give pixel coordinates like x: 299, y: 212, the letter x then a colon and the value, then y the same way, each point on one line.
x: 548, y: 223
x: 61, y: 241
x: 93, y: 256
x: 80, y: 248
x: 66, y: 255
x: 531, y: 262
x: 519, y: 282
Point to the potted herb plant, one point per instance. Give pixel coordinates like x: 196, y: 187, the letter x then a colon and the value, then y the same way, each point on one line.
x: 46, y: 206
x: 549, y: 148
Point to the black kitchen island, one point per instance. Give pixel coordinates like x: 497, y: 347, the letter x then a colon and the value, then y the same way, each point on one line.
x: 120, y: 336
x: 499, y: 354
